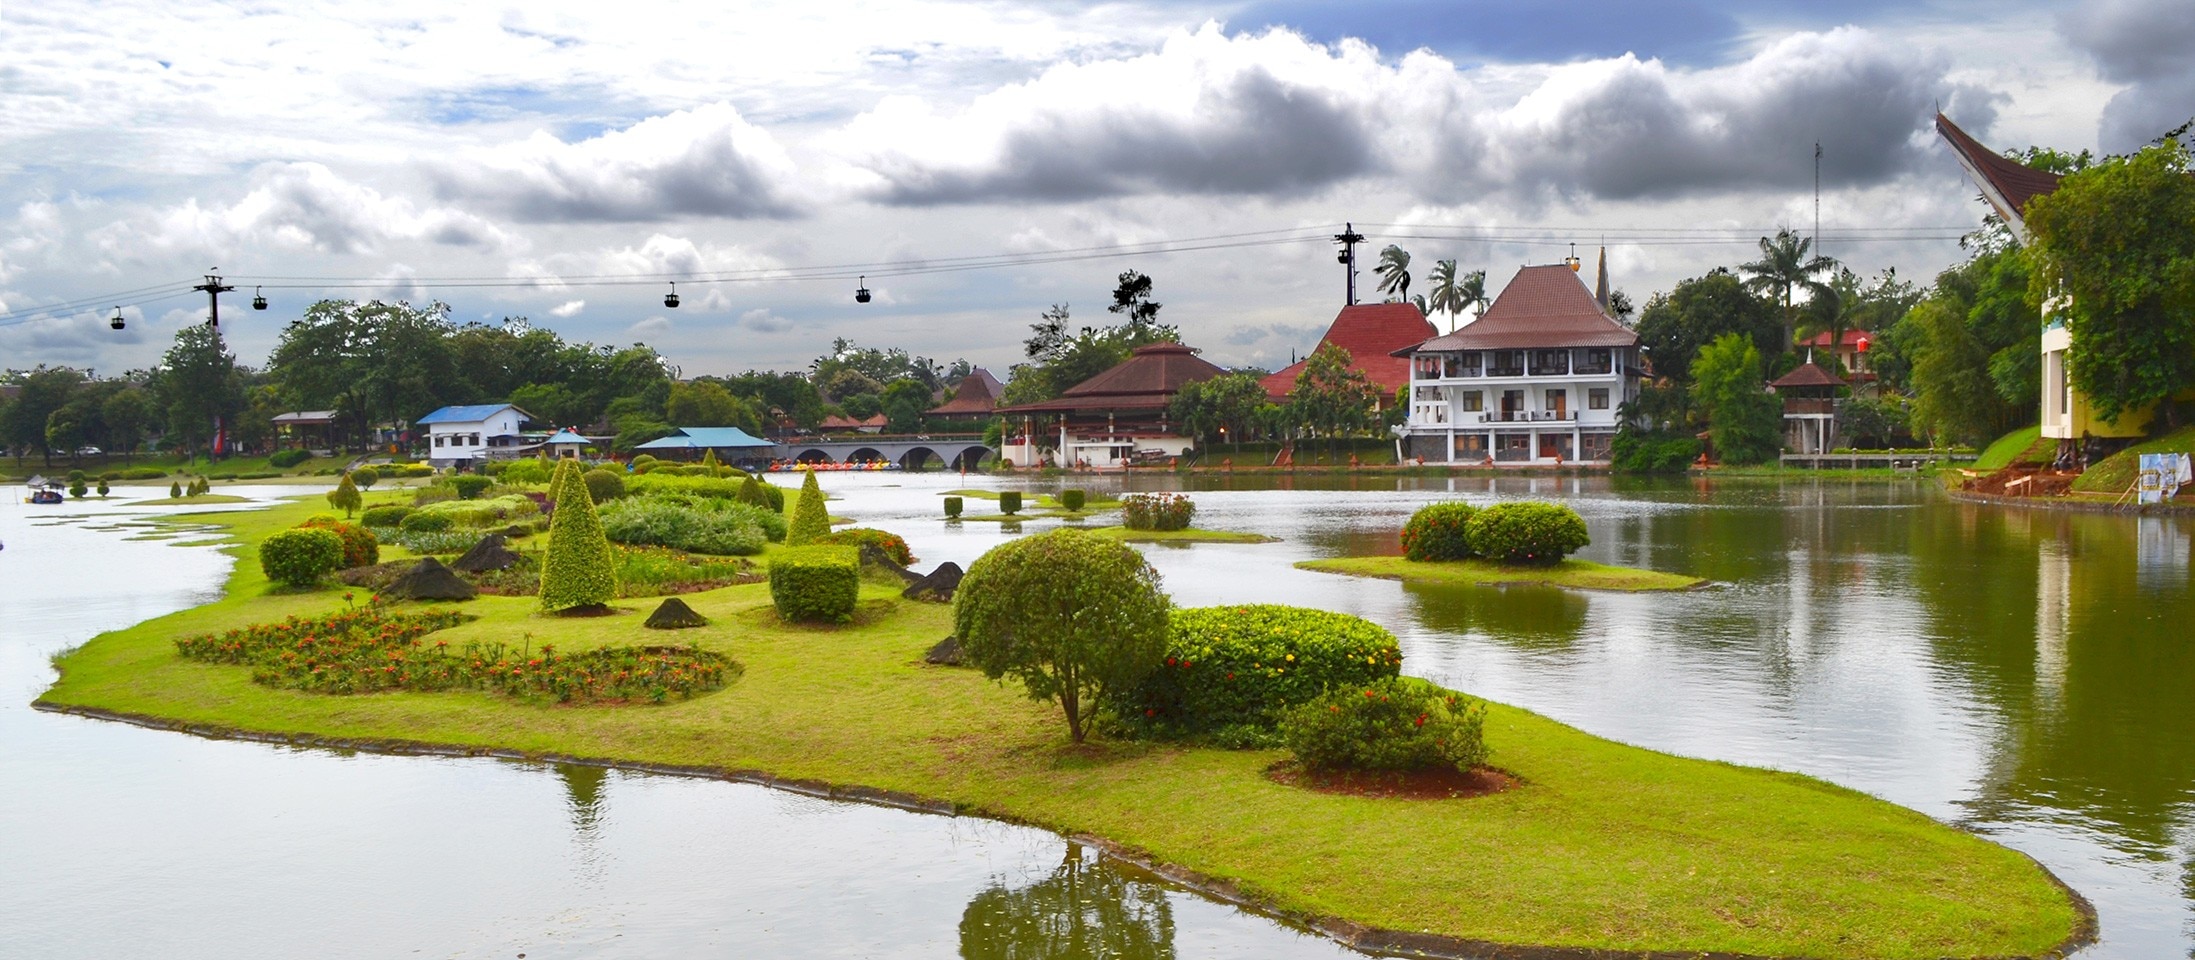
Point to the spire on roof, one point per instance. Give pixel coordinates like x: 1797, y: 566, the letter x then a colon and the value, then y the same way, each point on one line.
x: 1600, y: 287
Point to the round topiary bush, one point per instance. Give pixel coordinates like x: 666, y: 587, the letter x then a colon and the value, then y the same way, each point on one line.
x: 1438, y: 532
x: 1526, y: 532
x: 360, y: 547
x: 603, y: 485
x: 891, y: 543
x: 77, y: 489
x: 365, y: 477
x: 386, y: 515
x: 1073, y: 615
x: 422, y: 522
x: 470, y: 485
x: 1073, y: 499
x: 1401, y: 723
x: 300, y: 557
x: 1244, y: 665
x: 345, y: 496
x: 103, y: 488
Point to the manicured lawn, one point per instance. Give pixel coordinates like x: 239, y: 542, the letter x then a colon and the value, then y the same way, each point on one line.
x: 207, y: 499
x: 1583, y: 574
x: 2019, y: 446
x: 1602, y: 845
x: 1191, y: 535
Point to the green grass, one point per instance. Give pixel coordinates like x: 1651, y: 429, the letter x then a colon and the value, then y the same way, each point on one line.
x: 201, y: 499
x: 1191, y: 535
x: 2025, y: 445
x: 1580, y: 574
x: 2116, y: 474
x: 1601, y: 845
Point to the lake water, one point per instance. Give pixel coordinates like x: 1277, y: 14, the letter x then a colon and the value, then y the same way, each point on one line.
x: 2026, y: 675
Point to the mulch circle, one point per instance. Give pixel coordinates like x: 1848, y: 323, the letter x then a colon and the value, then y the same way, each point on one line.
x: 590, y: 610
x: 1439, y: 783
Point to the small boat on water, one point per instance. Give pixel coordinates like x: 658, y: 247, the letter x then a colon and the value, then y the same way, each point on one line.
x: 43, y: 490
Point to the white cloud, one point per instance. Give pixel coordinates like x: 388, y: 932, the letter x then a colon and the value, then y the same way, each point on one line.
x: 569, y: 308
x: 295, y: 206
x: 705, y: 162
x: 761, y: 320
x: 652, y: 328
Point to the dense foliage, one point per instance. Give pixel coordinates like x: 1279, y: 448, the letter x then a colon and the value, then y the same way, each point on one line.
x: 816, y: 583
x: 578, y: 570
x: 1399, y: 723
x: 1157, y: 511
x: 360, y: 547
x: 1437, y: 532
x: 1242, y: 666
x: 721, y: 527
x: 288, y: 458
x: 1073, y: 499
x: 300, y: 557
x: 1073, y: 615
x: 469, y: 485
x: 386, y: 515
x: 952, y: 507
x: 1009, y: 502
x: 1527, y: 532
x: 345, y: 496
x: 1730, y: 386
x: 893, y: 545
x: 603, y: 485
x: 369, y: 649
x: 1652, y: 451
x: 811, y: 518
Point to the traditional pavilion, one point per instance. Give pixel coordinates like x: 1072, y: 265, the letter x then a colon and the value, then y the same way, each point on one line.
x: 974, y: 402
x: 1372, y: 333
x: 566, y: 443
x: 1809, y: 408
x: 731, y: 445
x: 836, y: 423
x: 1114, y: 418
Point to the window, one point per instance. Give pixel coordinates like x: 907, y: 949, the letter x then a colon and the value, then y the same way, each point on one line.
x: 1425, y: 367
x: 1546, y: 362
x: 1465, y: 364
x: 1470, y: 446
x: 1595, y: 360
x: 1597, y: 398
x: 1595, y: 446
x: 1505, y: 363
x: 1428, y: 393
x: 1473, y: 401
x: 438, y: 438
x: 1558, y: 403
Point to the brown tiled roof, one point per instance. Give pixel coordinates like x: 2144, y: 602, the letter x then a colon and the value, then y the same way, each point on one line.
x: 1541, y: 307
x: 1851, y: 338
x: 2005, y: 183
x: 1148, y: 379
x: 977, y: 395
x: 1372, y: 333
x: 1807, y: 375
x: 837, y: 422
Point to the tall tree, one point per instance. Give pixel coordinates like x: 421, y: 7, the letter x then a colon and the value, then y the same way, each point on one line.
x: 2114, y: 250
x: 44, y: 390
x: 195, y: 388
x: 1394, y: 272
x: 1330, y: 399
x: 1225, y: 406
x: 1742, y: 416
x: 1677, y: 325
x: 128, y: 412
x: 1132, y: 301
x: 903, y: 403
x: 1784, y: 269
x: 1453, y: 295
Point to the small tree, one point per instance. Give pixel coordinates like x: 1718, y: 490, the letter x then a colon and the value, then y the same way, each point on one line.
x: 345, y: 496
x: 175, y: 490
x: 1071, y: 614
x: 365, y: 477
x: 811, y: 519
x: 578, y: 571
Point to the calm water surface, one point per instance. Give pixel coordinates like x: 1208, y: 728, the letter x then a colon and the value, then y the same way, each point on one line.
x: 2025, y: 675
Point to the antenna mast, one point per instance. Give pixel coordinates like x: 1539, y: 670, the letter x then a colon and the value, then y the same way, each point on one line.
x: 1349, y: 238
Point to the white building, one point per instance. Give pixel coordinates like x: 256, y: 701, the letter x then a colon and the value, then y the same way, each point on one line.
x: 462, y: 436
x: 1537, y: 379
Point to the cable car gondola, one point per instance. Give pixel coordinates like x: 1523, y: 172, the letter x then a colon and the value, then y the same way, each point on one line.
x: 861, y: 290
x: 259, y: 299
x: 671, y: 299
x: 116, y: 320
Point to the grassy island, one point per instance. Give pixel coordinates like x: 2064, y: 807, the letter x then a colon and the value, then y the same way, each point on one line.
x: 203, y: 499
x: 1188, y: 535
x: 1576, y: 574
x: 1599, y: 846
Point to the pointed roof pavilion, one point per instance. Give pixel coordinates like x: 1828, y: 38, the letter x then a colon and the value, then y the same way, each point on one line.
x: 1543, y: 307
x: 1807, y: 374
x: 976, y: 396
x: 2007, y: 184
x: 1147, y: 380
x: 1371, y: 332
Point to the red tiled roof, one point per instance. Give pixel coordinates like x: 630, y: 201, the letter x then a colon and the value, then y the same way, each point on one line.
x: 1851, y: 339
x: 1372, y: 333
x: 1148, y: 379
x: 2003, y: 181
x: 836, y: 422
x: 977, y: 395
x: 1542, y: 307
x: 1807, y: 375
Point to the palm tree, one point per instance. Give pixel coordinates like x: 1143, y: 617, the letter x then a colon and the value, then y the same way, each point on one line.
x: 1782, y: 268
x: 1453, y: 296
x: 1394, y: 272
x: 1834, y: 308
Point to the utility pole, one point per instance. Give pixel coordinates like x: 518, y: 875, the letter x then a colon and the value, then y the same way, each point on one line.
x: 1817, y: 197
x: 213, y: 289
x: 1349, y: 238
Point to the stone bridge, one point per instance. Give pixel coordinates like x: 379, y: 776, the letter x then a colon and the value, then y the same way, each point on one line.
x: 911, y: 453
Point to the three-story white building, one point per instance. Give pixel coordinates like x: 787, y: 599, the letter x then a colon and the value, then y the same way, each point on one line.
x: 1538, y: 379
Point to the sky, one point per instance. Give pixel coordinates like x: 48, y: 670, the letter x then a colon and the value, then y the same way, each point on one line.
x: 980, y: 162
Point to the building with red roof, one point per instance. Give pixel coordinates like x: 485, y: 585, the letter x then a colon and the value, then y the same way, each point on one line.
x: 1809, y: 396
x: 1540, y: 378
x: 1112, y: 418
x: 974, y: 402
x: 1372, y: 333
x: 1851, y: 350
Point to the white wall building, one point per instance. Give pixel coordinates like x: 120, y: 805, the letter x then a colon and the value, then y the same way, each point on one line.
x: 1537, y: 380
x: 459, y: 436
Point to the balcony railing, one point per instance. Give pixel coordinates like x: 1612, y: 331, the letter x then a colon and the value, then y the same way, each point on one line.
x: 1527, y: 416
x: 1809, y: 405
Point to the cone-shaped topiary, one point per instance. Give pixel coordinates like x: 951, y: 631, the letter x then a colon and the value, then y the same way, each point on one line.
x: 175, y: 490
x: 708, y: 459
x: 578, y: 571
x: 345, y: 496
x: 811, y: 519
x: 556, y: 479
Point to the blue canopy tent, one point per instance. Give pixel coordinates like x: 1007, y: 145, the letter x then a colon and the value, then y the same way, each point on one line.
x: 730, y: 444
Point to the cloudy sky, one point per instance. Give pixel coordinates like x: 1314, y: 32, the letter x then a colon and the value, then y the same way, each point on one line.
x: 981, y: 161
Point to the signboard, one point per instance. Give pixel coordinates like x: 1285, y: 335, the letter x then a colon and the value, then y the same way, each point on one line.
x: 2162, y: 475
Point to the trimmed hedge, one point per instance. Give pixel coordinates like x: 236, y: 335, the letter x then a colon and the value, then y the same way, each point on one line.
x: 1401, y: 723
x: 142, y: 473
x: 470, y: 485
x: 1527, y: 532
x: 1009, y: 502
x: 1244, y: 665
x: 1438, y: 532
x: 386, y: 515
x: 424, y: 522
x: 578, y: 570
x: 727, y: 529
x: 816, y: 583
x: 1073, y: 499
x: 891, y: 543
x: 953, y: 507
x: 289, y: 458
x: 366, y: 476
x: 300, y: 557
x: 811, y: 519
x: 1156, y: 511
x: 360, y: 547
x: 768, y: 496
x: 603, y: 485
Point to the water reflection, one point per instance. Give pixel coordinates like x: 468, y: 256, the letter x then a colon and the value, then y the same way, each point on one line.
x: 1086, y: 908
x: 1526, y: 617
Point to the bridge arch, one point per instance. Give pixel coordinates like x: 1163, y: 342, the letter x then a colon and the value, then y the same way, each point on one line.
x: 813, y: 455
x: 917, y: 458
x: 866, y: 453
x: 968, y: 457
